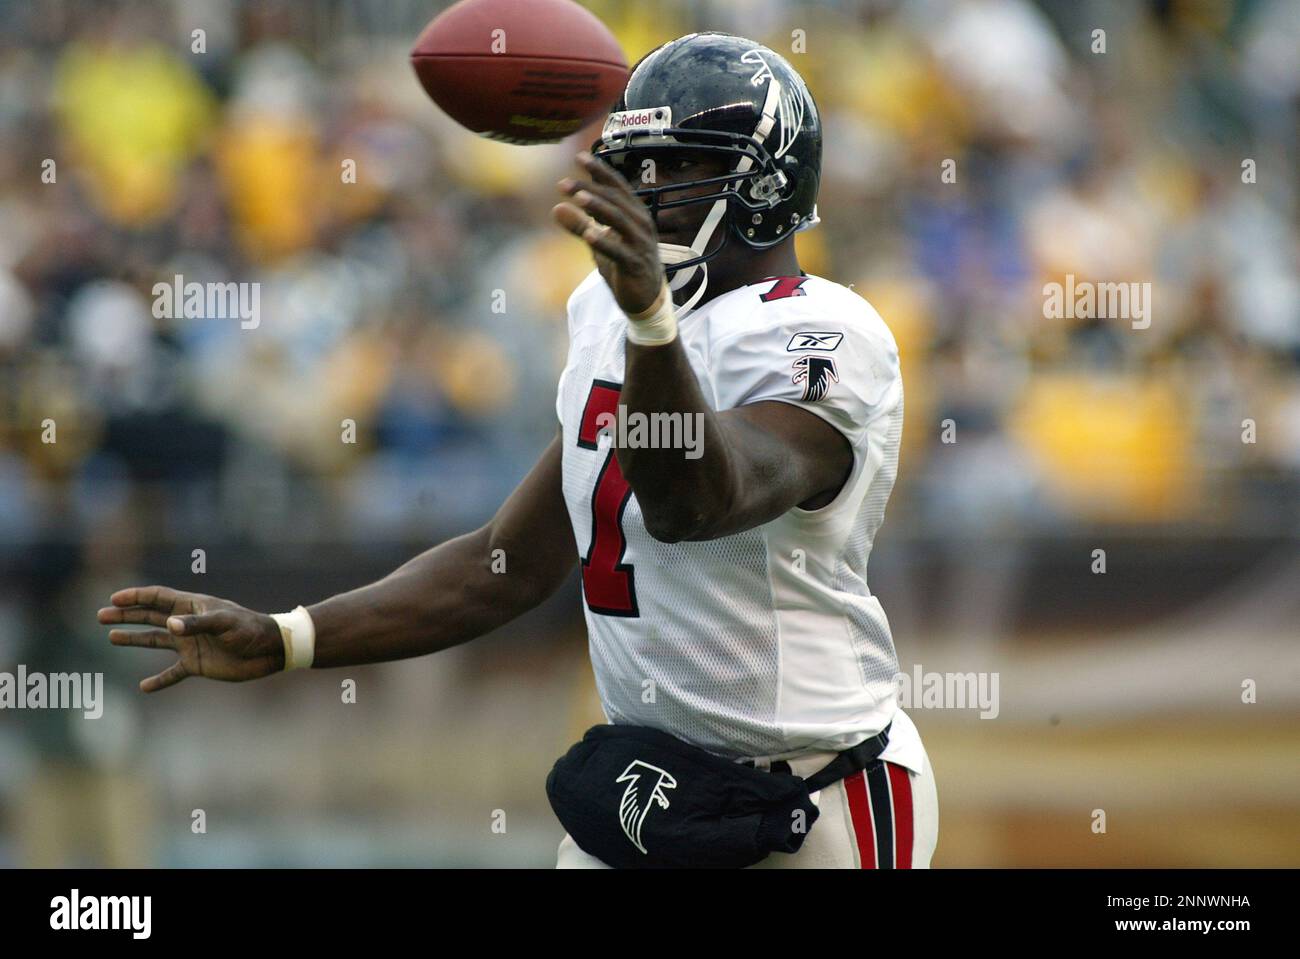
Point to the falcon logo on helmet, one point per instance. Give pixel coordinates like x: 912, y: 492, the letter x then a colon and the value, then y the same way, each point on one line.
x: 789, y: 108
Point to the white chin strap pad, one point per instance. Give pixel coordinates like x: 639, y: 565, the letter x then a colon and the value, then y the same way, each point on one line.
x: 670, y: 253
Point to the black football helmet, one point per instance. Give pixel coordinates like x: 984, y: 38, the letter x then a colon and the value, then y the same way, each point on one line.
x: 732, y: 97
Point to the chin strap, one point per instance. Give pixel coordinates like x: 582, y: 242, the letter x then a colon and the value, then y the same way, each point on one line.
x: 670, y: 253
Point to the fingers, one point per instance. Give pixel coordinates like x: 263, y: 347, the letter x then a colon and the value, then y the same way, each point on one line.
x: 612, y: 188
x: 143, y: 615
x: 627, y: 236
x: 602, y: 239
x: 619, y: 194
x: 587, y: 209
x: 633, y: 230
x: 186, y: 625
x: 143, y: 638
x: 214, y: 622
x: 170, y: 676
x: 144, y: 596
x: 604, y: 174
x: 162, y: 598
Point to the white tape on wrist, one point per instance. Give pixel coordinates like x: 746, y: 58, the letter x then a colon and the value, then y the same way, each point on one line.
x: 299, y: 635
x: 657, y: 325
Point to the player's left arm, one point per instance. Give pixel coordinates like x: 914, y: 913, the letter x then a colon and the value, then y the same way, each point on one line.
x: 757, y: 461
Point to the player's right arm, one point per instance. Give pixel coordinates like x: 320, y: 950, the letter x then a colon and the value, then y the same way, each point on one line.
x: 445, y: 596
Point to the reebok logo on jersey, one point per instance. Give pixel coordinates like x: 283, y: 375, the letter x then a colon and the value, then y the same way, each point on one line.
x: 825, y: 342
x: 816, y: 373
x: 645, y: 788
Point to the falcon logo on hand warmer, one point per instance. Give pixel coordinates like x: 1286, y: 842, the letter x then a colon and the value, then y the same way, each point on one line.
x: 816, y: 373
x: 645, y: 787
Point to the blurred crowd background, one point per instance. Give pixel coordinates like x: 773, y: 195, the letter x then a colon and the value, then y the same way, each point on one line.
x: 1167, y: 156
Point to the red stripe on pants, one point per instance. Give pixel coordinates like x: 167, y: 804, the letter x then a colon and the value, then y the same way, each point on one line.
x: 900, y: 787
x: 855, y: 788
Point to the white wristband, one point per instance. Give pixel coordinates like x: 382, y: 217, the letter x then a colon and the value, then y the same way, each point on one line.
x: 299, y: 635
x: 657, y: 325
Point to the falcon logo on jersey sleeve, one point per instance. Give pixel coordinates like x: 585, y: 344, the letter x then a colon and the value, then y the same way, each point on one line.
x: 816, y: 373
x: 645, y: 788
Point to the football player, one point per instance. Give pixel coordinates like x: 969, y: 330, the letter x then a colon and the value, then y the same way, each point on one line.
x: 723, y: 570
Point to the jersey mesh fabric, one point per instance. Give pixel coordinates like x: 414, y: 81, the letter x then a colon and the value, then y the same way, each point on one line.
x: 872, y: 640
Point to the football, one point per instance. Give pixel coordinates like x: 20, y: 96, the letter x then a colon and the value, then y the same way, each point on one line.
x: 524, y: 73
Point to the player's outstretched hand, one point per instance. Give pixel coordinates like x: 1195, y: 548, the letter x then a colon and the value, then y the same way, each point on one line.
x: 213, y: 637
x: 615, y: 223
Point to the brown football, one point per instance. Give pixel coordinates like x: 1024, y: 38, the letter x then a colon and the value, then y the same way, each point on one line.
x: 523, y: 71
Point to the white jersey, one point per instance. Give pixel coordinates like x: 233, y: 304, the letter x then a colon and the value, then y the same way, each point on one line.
x: 766, y: 643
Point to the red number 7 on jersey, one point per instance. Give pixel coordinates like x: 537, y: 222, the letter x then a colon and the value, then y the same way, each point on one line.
x: 607, y: 582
